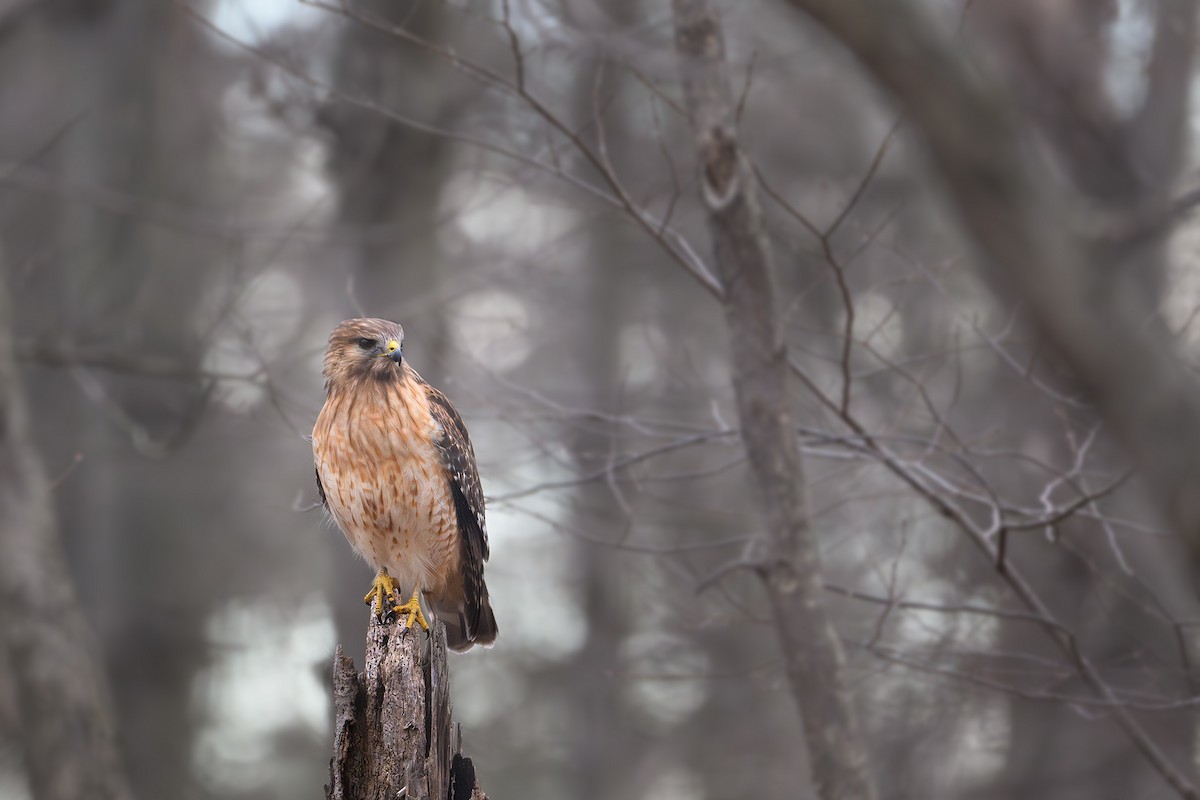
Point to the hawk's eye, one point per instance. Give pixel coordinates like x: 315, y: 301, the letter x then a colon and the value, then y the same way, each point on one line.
x: 366, y: 344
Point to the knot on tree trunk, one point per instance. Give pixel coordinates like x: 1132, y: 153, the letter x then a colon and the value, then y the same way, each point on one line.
x: 721, y: 165
x: 393, y: 735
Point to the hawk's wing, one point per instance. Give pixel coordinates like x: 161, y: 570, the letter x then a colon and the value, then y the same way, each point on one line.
x: 463, y: 475
x: 321, y: 491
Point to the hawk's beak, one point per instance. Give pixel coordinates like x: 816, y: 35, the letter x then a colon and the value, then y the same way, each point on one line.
x: 393, y: 351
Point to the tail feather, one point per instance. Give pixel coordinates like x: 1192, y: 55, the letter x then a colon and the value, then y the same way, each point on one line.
x: 461, y: 636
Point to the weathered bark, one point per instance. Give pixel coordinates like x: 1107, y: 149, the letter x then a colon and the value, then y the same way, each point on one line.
x: 392, y: 723
x: 1015, y: 213
x: 65, y: 714
x: 785, y: 555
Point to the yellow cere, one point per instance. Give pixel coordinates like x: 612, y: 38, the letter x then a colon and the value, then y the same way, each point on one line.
x: 393, y: 345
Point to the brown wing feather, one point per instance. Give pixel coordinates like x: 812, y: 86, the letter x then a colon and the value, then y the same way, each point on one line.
x: 478, y: 622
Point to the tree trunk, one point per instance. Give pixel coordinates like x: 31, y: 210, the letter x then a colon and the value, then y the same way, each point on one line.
x: 785, y: 555
x: 393, y: 737
x: 61, y: 695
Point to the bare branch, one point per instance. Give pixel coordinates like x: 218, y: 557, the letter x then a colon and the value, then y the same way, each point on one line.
x: 861, y: 189
x: 674, y: 243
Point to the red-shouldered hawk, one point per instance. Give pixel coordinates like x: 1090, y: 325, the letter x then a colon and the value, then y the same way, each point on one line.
x: 396, y: 470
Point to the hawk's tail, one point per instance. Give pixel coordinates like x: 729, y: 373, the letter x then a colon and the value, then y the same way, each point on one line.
x: 461, y: 635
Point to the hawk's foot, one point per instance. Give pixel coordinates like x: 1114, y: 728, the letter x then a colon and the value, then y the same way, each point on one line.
x: 413, y: 609
x: 383, y: 594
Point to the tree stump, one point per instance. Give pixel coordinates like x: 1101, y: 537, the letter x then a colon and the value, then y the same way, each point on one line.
x: 393, y: 735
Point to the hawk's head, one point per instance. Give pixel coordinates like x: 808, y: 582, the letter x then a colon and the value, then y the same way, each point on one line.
x: 363, y: 348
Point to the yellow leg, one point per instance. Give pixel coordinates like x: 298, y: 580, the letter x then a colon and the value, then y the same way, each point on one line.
x: 383, y: 593
x: 413, y: 609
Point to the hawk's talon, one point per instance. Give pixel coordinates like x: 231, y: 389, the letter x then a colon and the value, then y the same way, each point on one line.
x: 413, y: 609
x: 382, y: 596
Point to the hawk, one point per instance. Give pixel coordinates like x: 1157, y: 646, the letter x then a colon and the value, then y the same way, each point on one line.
x: 396, y: 471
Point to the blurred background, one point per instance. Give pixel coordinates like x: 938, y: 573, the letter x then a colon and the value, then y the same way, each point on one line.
x: 192, y: 194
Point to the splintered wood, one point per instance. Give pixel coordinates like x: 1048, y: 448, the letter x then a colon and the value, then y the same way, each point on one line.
x: 393, y: 736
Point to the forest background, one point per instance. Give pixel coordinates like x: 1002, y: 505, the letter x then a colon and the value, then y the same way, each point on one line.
x: 966, y: 569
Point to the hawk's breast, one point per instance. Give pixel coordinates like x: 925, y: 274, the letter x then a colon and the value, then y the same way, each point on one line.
x: 385, y: 482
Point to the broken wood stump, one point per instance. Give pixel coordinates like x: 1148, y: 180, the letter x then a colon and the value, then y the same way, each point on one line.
x: 393, y: 734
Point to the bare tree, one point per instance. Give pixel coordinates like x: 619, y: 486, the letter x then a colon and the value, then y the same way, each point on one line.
x: 66, y: 721
x: 785, y: 554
